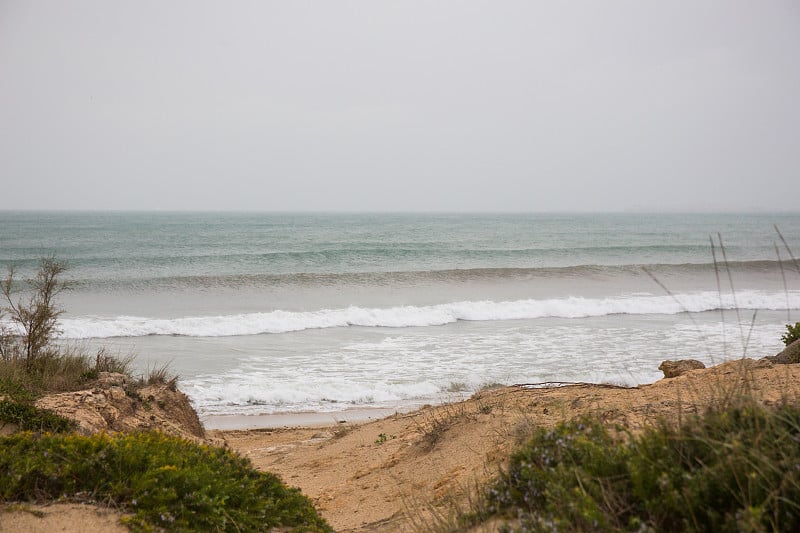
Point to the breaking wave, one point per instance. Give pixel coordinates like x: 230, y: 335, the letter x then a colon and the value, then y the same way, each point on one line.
x: 281, y: 321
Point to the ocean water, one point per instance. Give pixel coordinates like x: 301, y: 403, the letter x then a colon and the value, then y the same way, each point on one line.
x: 271, y: 313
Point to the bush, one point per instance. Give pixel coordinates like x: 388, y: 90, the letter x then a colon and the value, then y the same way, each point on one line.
x: 736, y: 469
x: 792, y: 334
x: 30, y: 418
x: 164, y: 482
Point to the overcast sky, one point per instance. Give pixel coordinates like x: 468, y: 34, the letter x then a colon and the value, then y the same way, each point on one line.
x: 400, y: 105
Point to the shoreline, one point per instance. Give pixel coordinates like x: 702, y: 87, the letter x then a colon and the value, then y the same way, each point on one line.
x: 303, y: 419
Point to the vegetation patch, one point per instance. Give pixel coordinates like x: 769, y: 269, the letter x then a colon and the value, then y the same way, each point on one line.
x: 732, y: 469
x: 29, y: 418
x: 792, y: 333
x: 162, y: 481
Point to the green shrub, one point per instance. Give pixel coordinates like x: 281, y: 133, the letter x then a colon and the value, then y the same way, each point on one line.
x: 560, y: 479
x: 30, y: 418
x: 164, y: 482
x: 736, y: 469
x: 792, y: 333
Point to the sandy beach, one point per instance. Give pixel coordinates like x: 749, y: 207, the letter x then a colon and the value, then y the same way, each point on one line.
x: 304, y: 419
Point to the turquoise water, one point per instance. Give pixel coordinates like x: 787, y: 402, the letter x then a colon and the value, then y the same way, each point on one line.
x: 282, y: 312
x: 141, y: 246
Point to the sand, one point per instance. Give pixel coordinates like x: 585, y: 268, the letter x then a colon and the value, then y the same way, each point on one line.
x: 406, y: 472
x: 69, y: 517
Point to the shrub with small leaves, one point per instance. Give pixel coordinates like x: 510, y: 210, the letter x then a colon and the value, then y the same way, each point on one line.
x: 29, y: 418
x: 792, y: 333
x: 734, y: 469
x: 164, y: 482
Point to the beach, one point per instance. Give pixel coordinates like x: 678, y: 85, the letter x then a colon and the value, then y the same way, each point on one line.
x: 414, y: 471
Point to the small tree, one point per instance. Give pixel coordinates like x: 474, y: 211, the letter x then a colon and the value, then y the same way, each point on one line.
x: 37, y: 315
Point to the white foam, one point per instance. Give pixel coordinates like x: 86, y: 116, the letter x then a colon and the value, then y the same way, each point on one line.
x: 243, y: 394
x: 418, y: 316
x: 446, y: 365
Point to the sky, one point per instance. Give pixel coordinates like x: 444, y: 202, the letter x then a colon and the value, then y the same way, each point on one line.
x: 376, y: 105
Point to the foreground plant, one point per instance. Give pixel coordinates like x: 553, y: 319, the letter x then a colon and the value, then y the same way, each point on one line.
x: 26, y: 417
x: 164, y: 482
x: 735, y: 469
x: 792, y: 333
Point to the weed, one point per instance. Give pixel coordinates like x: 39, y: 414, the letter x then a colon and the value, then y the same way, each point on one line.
x: 160, y: 375
x: 383, y: 438
x: 434, y: 422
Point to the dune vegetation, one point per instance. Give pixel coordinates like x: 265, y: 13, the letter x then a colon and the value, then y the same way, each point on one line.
x: 160, y: 482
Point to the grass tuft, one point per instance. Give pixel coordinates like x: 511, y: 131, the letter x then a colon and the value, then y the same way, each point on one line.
x: 59, y: 369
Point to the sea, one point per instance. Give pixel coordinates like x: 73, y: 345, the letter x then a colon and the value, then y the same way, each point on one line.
x: 268, y: 313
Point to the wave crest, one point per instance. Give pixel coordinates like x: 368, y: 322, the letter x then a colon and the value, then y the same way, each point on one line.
x: 281, y: 321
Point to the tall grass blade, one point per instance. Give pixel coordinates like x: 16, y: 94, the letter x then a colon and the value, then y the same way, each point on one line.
x: 749, y: 334
x: 789, y: 250
x: 719, y: 292
x: 733, y: 289
x: 785, y: 286
x: 680, y: 304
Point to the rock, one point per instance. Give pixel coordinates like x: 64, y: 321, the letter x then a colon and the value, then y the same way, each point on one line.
x: 764, y: 362
x: 674, y: 369
x: 109, y: 407
x: 116, y: 393
x: 111, y: 379
x: 790, y: 355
